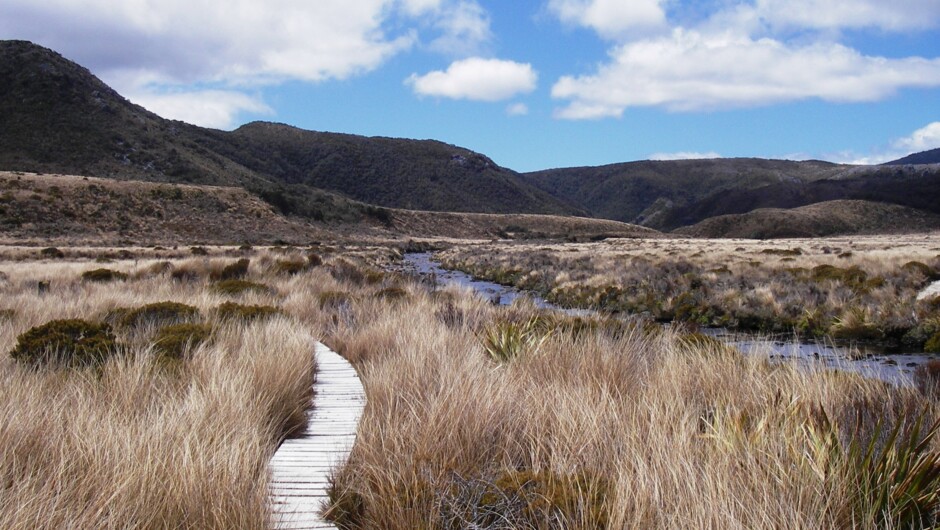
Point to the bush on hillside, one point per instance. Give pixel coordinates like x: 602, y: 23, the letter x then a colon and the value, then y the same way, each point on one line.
x: 249, y: 313
x: 175, y: 340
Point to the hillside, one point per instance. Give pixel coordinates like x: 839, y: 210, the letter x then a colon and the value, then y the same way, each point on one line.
x: 63, y: 209
x: 924, y: 157
x: 669, y: 194
x: 56, y: 117
x: 842, y: 217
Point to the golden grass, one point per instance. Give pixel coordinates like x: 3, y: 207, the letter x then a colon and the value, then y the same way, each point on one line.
x: 142, y: 442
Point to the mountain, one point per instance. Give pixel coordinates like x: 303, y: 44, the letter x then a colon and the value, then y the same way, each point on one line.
x: 816, y: 220
x: 668, y: 194
x: 924, y: 157
x: 56, y: 117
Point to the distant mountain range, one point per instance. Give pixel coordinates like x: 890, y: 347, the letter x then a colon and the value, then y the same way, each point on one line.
x: 56, y: 117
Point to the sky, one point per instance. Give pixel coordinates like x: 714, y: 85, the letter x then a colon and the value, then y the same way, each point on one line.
x: 533, y: 84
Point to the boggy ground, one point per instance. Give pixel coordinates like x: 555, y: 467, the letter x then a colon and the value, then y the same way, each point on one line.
x: 477, y: 416
x: 860, y: 288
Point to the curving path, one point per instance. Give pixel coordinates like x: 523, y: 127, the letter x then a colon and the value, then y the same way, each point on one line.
x: 301, y: 466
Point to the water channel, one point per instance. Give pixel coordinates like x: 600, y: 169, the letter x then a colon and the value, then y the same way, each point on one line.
x: 895, y: 367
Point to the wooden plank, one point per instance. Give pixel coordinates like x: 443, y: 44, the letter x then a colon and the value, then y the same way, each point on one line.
x: 301, y: 467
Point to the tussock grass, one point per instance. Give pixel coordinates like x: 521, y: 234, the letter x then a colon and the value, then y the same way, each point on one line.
x: 637, y: 428
x: 137, y: 441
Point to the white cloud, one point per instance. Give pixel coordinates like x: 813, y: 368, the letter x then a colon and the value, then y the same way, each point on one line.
x: 684, y: 155
x: 923, y: 139
x: 517, y: 109
x: 218, y: 109
x: 690, y: 70
x: 464, y: 27
x: 610, y: 18
x: 159, y: 51
x: 476, y: 79
x: 847, y: 14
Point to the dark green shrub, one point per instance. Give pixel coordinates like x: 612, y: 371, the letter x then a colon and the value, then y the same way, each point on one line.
x: 917, y: 267
x: 933, y: 344
x: 51, y: 253
x: 234, y: 271
x: 783, y: 251
x: 175, y: 340
x: 103, y: 275
x: 314, y: 260
x: 233, y: 311
x: 160, y: 313
x: 199, y: 251
x: 65, y: 342
x: 237, y: 287
x: 852, y: 276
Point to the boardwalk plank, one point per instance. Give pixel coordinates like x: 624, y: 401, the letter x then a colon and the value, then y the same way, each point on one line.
x: 301, y: 467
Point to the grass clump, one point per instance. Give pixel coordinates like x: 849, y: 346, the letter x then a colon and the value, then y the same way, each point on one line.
x: 233, y: 311
x: 160, y: 313
x: 333, y: 300
x: 504, y: 340
x: 103, y: 275
x: 237, y: 287
x: 918, y: 267
x: 234, y: 271
x: 175, y: 340
x: 70, y: 342
x: 392, y: 294
x: 290, y: 267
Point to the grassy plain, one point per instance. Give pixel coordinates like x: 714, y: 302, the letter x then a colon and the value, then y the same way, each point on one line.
x: 477, y: 416
x: 858, y: 288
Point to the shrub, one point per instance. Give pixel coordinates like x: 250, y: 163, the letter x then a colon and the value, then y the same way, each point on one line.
x: 237, y: 287
x: 159, y: 268
x: 199, y: 251
x: 314, y: 260
x: 345, y: 271
x: 160, y: 313
x: 103, y: 275
x: 233, y: 311
x: 65, y: 342
x: 234, y: 271
x: 933, y: 344
x: 51, y: 253
x: 917, y: 267
x: 175, y: 340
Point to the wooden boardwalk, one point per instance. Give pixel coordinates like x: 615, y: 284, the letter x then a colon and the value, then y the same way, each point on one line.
x: 300, y: 467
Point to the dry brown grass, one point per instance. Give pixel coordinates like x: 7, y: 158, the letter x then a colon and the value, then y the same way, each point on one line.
x: 143, y: 442
x: 596, y: 429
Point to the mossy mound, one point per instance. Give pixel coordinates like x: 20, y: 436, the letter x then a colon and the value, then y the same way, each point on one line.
x: 175, y: 340
x: 103, y: 275
x: 237, y: 287
x: 51, y: 253
x: 70, y: 342
x: 249, y: 313
x: 160, y: 313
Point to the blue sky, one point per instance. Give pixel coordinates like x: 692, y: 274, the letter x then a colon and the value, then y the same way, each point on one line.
x: 532, y: 84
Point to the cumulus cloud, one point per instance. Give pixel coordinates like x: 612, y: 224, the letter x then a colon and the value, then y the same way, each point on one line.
x: 684, y: 155
x: 690, y: 70
x: 610, y: 18
x: 217, y: 109
x: 922, y: 139
x: 155, y: 52
x: 476, y: 79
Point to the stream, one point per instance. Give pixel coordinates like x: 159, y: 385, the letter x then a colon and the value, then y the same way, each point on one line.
x: 871, y: 362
